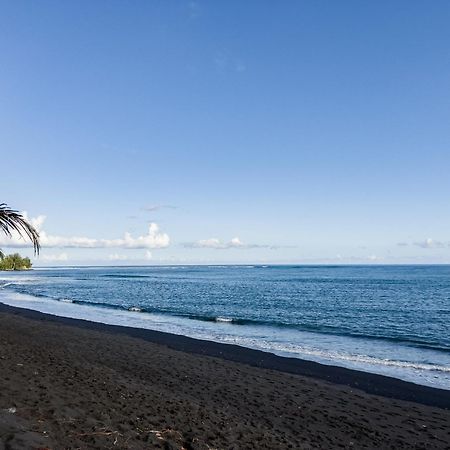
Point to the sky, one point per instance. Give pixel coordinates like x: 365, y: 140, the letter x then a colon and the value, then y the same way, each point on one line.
x: 178, y: 132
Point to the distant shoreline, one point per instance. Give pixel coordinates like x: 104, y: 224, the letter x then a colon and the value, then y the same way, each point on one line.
x: 246, y: 265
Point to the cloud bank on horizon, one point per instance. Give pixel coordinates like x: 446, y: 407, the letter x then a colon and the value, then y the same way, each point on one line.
x: 154, y: 239
x: 428, y: 243
x: 217, y: 244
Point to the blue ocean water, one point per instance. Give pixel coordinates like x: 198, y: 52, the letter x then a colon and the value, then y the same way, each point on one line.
x: 393, y: 320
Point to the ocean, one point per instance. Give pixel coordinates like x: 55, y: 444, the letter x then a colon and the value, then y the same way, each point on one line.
x: 391, y: 320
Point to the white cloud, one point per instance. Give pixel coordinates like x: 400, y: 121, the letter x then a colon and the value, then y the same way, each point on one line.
x: 120, y: 257
x: 209, y: 243
x: 430, y: 243
x: 60, y: 257
x: 153, y: 239
x: 117, y: 257
x: 217, y: 244
x: 153, y: 208
x: 236, y: 242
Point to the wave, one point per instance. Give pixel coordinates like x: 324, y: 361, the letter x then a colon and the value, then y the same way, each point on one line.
x: 239, y: 321
x: 224, y: 319
x: 323, y: 329
x: 220, y: 319
x: 413, y: 370
x: 349, y: 357
x: 126, y: 276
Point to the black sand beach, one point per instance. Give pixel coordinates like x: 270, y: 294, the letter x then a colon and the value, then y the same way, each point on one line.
x: 68, y: 384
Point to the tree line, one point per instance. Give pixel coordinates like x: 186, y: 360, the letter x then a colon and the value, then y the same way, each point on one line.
x: 15, y: 262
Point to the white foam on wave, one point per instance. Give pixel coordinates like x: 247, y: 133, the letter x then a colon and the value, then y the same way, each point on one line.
x: 135, y: 309
x: 420, y: 366
x: 340, y: 356
x: 19, y: 279
x: 224, y: 319
x: 66, y: 300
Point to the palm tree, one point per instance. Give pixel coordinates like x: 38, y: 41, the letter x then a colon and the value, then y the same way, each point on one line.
x: 11, y: 221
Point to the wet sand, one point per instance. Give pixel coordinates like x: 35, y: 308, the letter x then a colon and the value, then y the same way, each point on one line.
x: 68, y: 384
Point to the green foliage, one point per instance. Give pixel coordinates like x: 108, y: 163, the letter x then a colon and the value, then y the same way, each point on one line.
x: 13, y: 222
x: 15, y: 262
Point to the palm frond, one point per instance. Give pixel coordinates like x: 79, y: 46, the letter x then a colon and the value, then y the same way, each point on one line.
x: 2, y: 255
x: 11, y: 221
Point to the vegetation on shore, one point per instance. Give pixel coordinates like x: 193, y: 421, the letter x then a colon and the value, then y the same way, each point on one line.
x: 15, y: 262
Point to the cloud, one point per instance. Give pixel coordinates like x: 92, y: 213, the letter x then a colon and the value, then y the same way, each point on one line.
x: 117, y: 257
x: 120, y: 257
x: 217, y: 244
x: 61, y: 257
x: 153, y: 239
x: 430, y: 243
x: 153, y: 208
x: 375, y: 258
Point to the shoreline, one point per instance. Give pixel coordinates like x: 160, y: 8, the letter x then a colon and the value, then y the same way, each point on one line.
x: 372, y: 343
x: 70, y: 383
x: 370, y: 383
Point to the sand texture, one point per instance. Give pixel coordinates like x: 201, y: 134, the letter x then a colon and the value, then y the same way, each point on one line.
x: 64, y: 386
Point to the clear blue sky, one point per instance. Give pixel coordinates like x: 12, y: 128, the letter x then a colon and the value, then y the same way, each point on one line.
x: 312, y: 131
